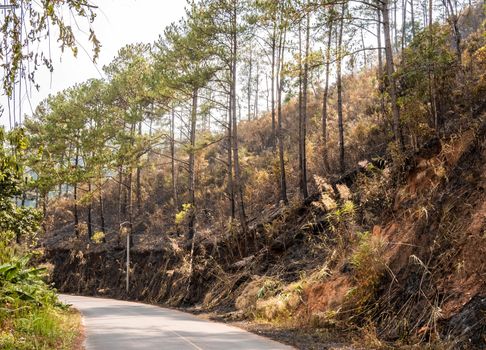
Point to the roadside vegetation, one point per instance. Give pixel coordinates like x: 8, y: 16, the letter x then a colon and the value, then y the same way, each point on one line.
x: 31, y: 316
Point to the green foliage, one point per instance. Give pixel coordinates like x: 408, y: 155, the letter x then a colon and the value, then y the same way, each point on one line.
x: 44, y: 329
x: 20, y: 39
x: 28, y: 306
x: 23, y: 286
x: 269, y: 288
x: 341, y: 214
x: 14, y: 221
x: 98, y: 237
x: 427, y: 67
x: 183, y: 214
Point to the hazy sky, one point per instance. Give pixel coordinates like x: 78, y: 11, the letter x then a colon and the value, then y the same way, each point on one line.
x: 119, y: 22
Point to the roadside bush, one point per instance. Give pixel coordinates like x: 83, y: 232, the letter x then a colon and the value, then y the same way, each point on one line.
x: 31, y: 316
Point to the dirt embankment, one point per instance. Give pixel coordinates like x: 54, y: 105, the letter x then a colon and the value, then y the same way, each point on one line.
x: 419, y: 275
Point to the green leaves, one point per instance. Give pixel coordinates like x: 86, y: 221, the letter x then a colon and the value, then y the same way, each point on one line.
x: 27, y: 22
x: 21, y: 282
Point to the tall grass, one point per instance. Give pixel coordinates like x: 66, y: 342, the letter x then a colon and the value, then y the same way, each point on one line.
x: 31, y: 317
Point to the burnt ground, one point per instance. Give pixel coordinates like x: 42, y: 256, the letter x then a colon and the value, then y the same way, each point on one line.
x: 430, y: 215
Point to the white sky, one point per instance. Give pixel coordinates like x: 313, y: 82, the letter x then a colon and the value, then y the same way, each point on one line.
x: 119, y: 22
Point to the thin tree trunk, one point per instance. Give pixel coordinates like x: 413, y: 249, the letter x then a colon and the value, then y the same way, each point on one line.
x: 432, y: 93
x: 363, y: 45
x: 380, y: 65
x: 453, y: 20
x: 280, y: 75
x: 236, y: 162
x: 395, y: 31
x: 390, y: 74
x: 139, y: 177
x: 75, y: 195
x: 305, y: 84
x: 192, y: 174
x: 325, y: 97
x: 24, y: 193
x: 129, y: 189
x: 120, y: 194
x: 404, y: 22
x: 231, y: 189
x: 339, y: 88
x: 102, y: 209
x: 130, y: 207
x: 90, y: 212
x: 274, y: 78
x: 172, y: 161
x: 124, y: 192
x: 412, y: 18
x: 301, y: 113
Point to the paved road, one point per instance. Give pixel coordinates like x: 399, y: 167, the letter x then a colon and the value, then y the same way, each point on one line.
x: 121, y: 325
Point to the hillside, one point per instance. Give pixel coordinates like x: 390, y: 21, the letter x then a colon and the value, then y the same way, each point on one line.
x: 389, y: 254
x: 393, y: 261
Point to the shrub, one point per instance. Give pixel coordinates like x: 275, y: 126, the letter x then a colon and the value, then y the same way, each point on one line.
x: 98, y: 237
x: 182, y: 215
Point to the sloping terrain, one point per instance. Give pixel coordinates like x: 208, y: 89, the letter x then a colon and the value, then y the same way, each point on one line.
x: 399, y: 251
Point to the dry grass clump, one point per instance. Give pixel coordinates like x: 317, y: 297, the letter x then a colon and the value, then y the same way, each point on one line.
x: 260, y: 288
x: 369, y: 266
x: 270, y: 300
x: 282, y: 306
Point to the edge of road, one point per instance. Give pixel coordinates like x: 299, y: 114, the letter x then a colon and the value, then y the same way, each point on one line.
x: 83, y: 333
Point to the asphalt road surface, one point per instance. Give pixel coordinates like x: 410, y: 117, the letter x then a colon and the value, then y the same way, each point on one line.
x: 121, y: 325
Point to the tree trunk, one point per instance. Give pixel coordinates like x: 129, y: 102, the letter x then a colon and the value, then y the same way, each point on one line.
x: 236, y: 162
x: 339, y: 88
x: 138, y: 177
x: 433, y: 100
x: 380, y: 65
x: 124, y: 192
x: 404, y: 22
x: 75, y: 195
x: 363, y: 45
x: 231, y: 189
x: 120, y: 194
x: 24, y: 193
x: 305, y: 84
x: 192, y: 174
x: 412, y: 18
x: 274, y: 78
x: 395, y: 31
x: 301, y: 113
x: 325, y: 153
x: 130, y: 207
x: 172, y: 161
x: 390, y: 74
x: 280, y: 75
x: 102, y: 209
x: 90, y: 212
x: 453, y: 20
